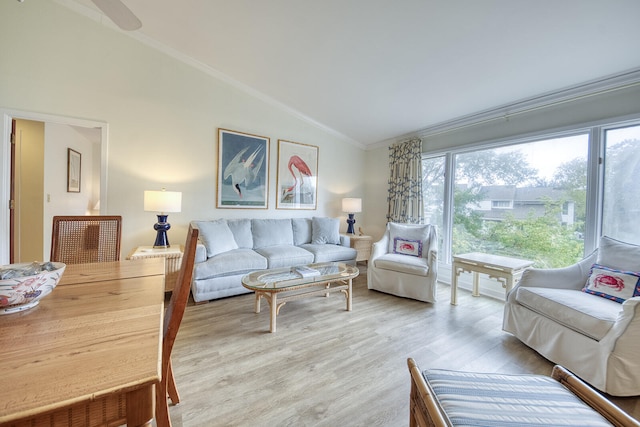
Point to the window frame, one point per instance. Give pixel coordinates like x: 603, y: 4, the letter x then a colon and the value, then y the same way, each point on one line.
x: 595, y: 132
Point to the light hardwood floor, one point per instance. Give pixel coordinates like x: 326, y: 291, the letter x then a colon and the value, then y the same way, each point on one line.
x: 329, y: 367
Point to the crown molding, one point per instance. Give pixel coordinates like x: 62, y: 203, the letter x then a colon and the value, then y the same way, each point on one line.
x: 599, y: 86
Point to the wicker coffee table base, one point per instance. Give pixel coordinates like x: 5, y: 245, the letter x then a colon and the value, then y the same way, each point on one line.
x: 277, y: 298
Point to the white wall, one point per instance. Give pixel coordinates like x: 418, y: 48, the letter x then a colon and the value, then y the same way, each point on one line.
x: 57, y: 138
x: 162, y: 117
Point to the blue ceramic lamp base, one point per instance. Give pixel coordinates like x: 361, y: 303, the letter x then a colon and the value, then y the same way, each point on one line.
x: 351, y: 220
x: 162, y: 226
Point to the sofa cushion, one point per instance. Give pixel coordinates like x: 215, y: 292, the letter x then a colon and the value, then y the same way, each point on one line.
x: 407, y: 232
x: 285, y: 256
x: 216, y: 236
x: 403, y: 264
x: 618, y: 255
x: 330, y: 253
x: 241, y: 229
x: 271, y: 232
x: 232, y: 262
x: 612, y: 284
x: 574, y: 309
x: 325, y: 230
x: 301, y: 231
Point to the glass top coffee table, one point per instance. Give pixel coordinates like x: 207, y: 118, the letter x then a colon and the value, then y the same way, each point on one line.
x: 280, y: 285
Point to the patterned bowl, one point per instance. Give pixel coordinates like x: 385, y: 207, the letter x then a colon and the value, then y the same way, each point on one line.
x: 22, y: 286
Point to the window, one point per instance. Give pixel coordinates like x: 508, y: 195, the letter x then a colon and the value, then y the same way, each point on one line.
x: 501, y: 204
x: 525, y: 199
x: 433, y: 194
x: 621, y: 193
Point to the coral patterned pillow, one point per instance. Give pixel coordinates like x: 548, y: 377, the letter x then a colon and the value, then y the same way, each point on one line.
x: 612, y: 284
x: 407, y: 247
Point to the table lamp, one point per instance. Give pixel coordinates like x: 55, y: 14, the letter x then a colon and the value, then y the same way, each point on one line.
x: 162, y: 202
x: 351, y: 206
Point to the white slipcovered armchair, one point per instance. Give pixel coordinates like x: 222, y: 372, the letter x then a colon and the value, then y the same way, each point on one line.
x: 595, y: 337
x: 404, y: 262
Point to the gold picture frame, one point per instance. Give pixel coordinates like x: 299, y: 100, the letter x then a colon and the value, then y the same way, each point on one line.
x: 243, y: 170
x: 74, y: 171
x: 297, y: 178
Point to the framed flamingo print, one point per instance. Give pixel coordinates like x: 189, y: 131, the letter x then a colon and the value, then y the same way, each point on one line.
x: 243, y: 177
x: 297, y: 186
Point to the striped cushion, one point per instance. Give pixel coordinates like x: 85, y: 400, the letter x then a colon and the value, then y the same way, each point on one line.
x: 497, y: 400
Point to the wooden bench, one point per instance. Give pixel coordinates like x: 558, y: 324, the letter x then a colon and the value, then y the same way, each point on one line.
x: 443, y: 398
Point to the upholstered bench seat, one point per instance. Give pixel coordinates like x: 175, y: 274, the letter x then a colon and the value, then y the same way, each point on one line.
x: 446, y: 398
x: 477, y: 399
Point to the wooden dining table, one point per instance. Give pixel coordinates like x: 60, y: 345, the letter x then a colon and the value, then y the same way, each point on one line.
x: 90, y: 352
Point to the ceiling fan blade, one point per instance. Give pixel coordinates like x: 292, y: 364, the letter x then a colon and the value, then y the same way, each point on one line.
x: 119, y: 14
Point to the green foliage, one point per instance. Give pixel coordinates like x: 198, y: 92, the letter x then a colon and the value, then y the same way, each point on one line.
x: 542, y: 238
x: 463, y: 214
x: 571, y: 176
x: 488, y: 167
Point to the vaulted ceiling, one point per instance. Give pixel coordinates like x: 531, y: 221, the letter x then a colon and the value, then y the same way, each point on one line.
x: 373, y: 70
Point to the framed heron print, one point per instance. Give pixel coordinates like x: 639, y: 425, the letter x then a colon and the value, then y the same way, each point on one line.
x: 297, y: 184
x: 243, y: 170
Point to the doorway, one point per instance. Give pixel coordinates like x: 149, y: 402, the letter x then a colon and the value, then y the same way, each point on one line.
x: 60, y: 133
x: 27, y: 178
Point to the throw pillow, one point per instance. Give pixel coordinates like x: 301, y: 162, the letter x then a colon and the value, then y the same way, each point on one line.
x: 301, y: 231
x: 612, y: 284
x: 407, y: 232
x: 271, y: 232
x: 407, y: 247
x: 216, y: 236
x: 325, y: 230
x: 618, y: 255
x: 241, y: 229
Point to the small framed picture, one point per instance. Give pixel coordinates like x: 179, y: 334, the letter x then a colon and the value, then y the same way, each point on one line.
x: 297, y: 176
x: 74, y: 165
x: 243, y: 170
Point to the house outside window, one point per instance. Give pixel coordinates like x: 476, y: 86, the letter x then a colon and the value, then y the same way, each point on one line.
x: 501, y: 204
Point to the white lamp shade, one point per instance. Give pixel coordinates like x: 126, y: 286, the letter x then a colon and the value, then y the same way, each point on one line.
x: 162, y: 201
x: 351, y: 205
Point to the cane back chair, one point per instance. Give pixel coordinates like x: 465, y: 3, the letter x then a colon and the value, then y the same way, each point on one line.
x: 84, y: 239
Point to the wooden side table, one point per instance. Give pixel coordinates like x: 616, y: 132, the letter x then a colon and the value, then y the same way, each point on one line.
x: 505, y: 270
x: 173, y: 260
x: 362, y: 244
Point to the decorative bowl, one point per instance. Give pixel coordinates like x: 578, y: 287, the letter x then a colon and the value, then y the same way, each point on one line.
x: 22, y: 286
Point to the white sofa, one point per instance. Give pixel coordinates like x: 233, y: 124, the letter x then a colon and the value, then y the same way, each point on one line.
x: 594, y: 337
x: 410, y: 273
x: 230, y: 248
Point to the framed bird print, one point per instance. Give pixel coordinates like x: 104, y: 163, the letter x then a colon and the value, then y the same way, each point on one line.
x: 243, y: 170
x: 297, y: 184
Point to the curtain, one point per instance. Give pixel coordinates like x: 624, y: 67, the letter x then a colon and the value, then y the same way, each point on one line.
x: 405, y: 182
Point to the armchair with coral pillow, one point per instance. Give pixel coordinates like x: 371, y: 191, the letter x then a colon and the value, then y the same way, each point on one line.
x: 585, y: 317
x: 404, y: 262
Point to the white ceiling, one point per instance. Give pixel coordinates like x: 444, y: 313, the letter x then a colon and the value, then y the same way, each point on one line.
x: 373, y: 70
